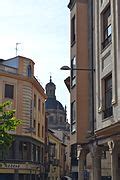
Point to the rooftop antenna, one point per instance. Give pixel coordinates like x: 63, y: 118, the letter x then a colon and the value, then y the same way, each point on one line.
x: 16, y: 48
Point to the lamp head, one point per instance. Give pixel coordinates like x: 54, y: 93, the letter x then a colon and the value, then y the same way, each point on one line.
x: 65, y: 68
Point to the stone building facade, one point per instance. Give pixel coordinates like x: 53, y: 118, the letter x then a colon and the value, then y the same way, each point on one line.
x: 95, y: 99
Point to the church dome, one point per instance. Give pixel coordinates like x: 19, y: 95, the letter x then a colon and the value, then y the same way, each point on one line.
x: 53, y: 104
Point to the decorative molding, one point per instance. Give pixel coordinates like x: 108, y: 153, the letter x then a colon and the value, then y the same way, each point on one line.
x: 113, y: 101
x: 100, y: 109
x: 111, y: 146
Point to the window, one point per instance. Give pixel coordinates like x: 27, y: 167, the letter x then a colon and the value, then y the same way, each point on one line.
x: 33, y: 152
x: 42, y: 155
x: 9, y: 91
x: 51, y: 150
x: 34, y: 123
x: 29, y: 71
x: 43, y: 108
x: 39, y: 129
x: 38, y: 153
x: 73, y: 72
x: 74, y: 160
x: 61, y: 119
x: 34, y: 100
x: 73, y: 117
x: 119, y: 161
x: 51, y: 119
x: 24, y: 149
x: 107, y: 29
x: 73, y: 30
x: 108, y: 97
x: 39, y: 104
x: 42, y: 131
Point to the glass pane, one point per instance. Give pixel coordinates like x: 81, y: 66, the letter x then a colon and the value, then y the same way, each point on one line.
x: 109, y: 30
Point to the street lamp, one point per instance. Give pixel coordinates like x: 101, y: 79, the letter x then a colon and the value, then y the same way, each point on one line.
x: 81, y: 69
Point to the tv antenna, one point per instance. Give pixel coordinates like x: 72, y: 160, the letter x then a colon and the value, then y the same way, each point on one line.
x: 16, y: 48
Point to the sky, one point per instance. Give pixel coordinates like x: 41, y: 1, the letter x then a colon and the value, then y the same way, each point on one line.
x: 42, y: 29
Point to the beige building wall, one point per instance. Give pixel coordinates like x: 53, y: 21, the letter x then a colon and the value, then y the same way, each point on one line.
x: 23, y: 101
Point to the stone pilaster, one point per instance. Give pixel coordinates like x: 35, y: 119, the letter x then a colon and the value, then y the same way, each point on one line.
x: 114, y: 159
x: 96, y: 153
x: 82, y: 152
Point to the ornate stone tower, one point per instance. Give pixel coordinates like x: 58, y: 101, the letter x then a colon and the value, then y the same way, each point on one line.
x: 56, y: 111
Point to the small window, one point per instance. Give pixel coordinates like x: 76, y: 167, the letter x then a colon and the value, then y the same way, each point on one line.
x: 39, y: 129
x: 73, y: 71
x: 34, y: 123
x: 51, y: 119
x: 34, y: 100
x: 73, y: 30
x: 43, y: 108
x: 61, y: 119
x: 108, y: 97
x: 39, y: 104
x: 119, y: 161
x: 73, y: 116
x: 29, y: 71
x: 42, y: 131
x: 9, y: 91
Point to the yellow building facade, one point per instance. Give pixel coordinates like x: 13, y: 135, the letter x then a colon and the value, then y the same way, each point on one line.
x: 19, y: 85
x: 56, y: 157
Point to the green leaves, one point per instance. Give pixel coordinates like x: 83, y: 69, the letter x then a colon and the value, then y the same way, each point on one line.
x: 8, y: 122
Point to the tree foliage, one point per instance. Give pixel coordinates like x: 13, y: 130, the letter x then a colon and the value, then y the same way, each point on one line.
x: 8, y: 122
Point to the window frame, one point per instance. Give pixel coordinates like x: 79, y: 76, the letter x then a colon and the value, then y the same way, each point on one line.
x: 73, y: 30
x: 73, y: 72
x: 29, y: 71
x: 39, y: 104
x: 106, y: 27
x: 73, y: 117
x: 108, y: 109
x: 35, y: 100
